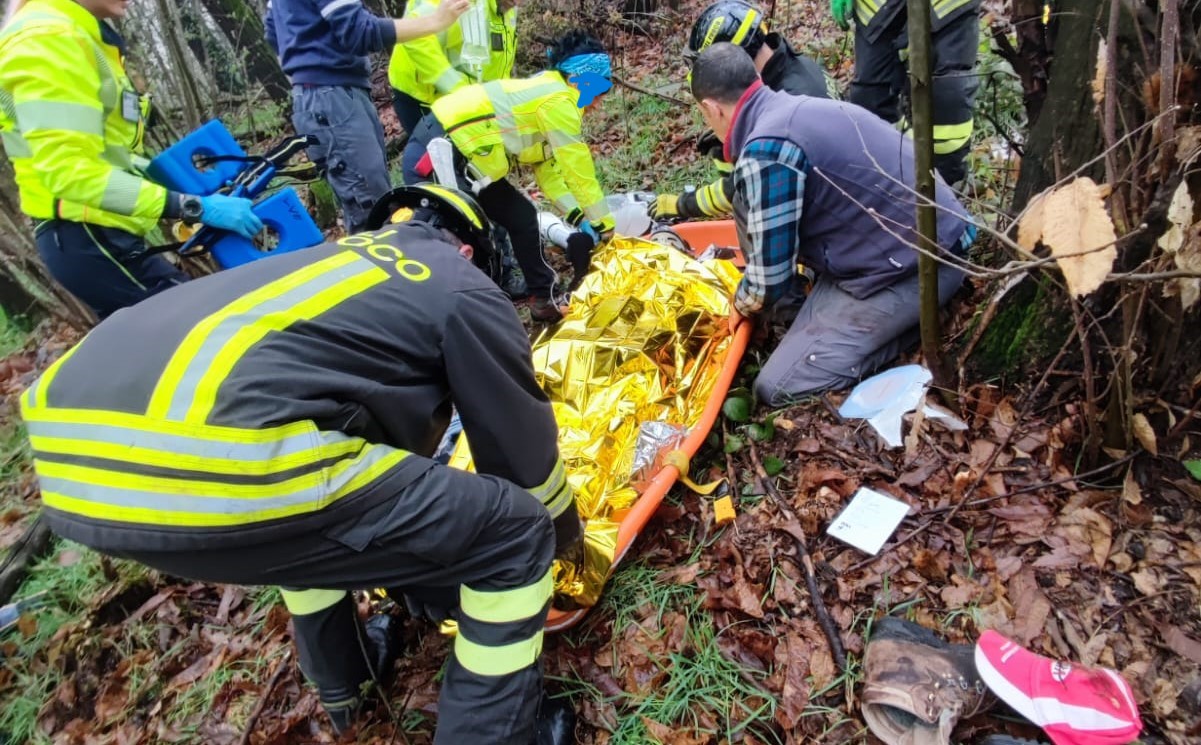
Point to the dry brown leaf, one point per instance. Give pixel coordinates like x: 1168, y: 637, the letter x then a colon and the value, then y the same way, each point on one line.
x: 1099, y: 75
x: 821, y: 667
x: 1144, y: 433
x: 1089, y: 533
x: 1180, y: 216
x: 1030, y: 606
x: 1030, y: 227
x: 792, y: 656
x: 1163, y: 697
x: 1130, y: 489
x: 1181, y: 643
x: 1080, y: 234
x: 1188, y: 259
x: 1147, y: 581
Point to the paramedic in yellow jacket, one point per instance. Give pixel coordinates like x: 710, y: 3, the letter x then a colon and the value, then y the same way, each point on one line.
x: 534, y: 122
x: 72, y: 125
x: 424, y: 69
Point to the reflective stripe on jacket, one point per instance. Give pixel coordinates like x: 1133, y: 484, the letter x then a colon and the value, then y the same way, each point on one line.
x: 71, y: 121
x: 882, y: 11
x: 430, y: 67
x: 536, y: 122
x: 279, y: 397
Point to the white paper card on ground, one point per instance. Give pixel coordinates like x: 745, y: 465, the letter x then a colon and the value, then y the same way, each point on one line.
x: 868, y: 520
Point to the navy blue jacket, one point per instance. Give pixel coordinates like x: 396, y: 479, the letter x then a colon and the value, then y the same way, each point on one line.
x: 326, y: 42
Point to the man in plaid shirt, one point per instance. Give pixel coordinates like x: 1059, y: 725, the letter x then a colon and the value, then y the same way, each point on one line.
x: 827, y: 184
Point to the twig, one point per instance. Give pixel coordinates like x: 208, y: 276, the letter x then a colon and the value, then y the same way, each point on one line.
x: 794, y: 529
x: 21, y: 555
x: 1041, y: 485
x: 623, y: 82
x: 262, y: 704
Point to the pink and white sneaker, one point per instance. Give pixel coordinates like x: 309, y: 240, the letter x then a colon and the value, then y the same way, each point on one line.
x: 1075, y: 705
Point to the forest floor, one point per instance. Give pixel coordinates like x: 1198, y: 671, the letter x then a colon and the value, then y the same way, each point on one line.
x: 705, y: 634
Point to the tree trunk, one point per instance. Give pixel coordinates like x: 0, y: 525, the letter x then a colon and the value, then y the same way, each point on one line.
x: 243, y: 26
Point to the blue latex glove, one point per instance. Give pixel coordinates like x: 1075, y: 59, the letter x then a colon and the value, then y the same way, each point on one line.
x: 230, y: 213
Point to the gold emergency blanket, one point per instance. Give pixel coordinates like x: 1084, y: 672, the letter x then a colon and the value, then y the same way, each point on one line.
x: 643, y: 342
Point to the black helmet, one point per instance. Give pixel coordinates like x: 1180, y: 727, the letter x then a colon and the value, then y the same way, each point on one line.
x: 729, y: 20
x: 441, y: 207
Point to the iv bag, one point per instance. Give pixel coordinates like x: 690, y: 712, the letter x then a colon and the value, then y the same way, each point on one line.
x: 476, y: 49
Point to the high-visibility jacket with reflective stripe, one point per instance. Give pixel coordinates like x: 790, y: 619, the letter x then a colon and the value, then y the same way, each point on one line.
x: 71, y: 121
x: 873, y: 15
x: 429, y: 67
x: 536, y: 122
x: 275, y: 398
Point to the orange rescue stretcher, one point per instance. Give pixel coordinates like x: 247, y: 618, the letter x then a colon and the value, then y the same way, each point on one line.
x: 699, y: 236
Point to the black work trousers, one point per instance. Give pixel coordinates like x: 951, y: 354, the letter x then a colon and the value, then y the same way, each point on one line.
x: 881, y: 76
x: 501, y: 201
x: 408, y: 110
x: 448, y: 529
x: 107, y: 268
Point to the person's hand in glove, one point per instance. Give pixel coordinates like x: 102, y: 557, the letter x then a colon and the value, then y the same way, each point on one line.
x: 438, y: 604
x: 604, y: 229
x: 579, y: 254
x: 230, y: 213
x: 665, y: 207
x: 842, y: 11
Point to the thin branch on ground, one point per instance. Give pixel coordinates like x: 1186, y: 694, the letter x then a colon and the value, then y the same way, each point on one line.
x: 264, y: 696
x: 646, y: 91
x: 793, y: 528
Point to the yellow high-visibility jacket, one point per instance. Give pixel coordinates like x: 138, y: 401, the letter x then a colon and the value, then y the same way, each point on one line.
x: 430, y: 67
x: 276, y: 398
x: 71, y: 121
x: 537, y: 122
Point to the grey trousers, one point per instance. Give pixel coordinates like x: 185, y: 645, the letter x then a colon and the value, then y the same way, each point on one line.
x: 350, y: 145
x: 837, y: 339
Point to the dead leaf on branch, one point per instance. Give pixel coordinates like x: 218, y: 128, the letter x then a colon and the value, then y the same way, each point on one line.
x: 1030, y: 227
x: 1144, y: 433
x: 1080, y: 234
x: 1098, y: 82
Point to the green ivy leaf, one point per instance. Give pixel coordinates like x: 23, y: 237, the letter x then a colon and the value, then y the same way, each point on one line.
x: 1194, y: 468
x: 736, y: 409
x: 772, y: 465
x: 734, y: 443
x: 761, y: 432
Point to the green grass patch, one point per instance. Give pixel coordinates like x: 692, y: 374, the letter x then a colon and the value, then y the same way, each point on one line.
x: 645, y: 125
x: 71, y: 578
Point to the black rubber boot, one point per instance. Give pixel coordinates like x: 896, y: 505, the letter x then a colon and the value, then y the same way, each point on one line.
x: 556, y: 722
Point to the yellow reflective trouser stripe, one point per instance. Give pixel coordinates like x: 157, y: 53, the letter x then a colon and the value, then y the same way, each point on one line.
x: 950, y: 137
x: 503, y: 660
x: 173, y: 395
x: 305, y: 602
x: 944, y: 9
x: 507, y: 606
x: 133, y: 504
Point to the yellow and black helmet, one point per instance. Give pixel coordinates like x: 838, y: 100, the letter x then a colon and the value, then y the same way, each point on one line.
x: 734, y: 21
x: 441, y: 207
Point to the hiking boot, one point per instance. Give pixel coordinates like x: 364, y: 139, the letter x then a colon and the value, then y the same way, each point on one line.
x: 556, y: 722
x: 543, y: 310
x: 916, y: 686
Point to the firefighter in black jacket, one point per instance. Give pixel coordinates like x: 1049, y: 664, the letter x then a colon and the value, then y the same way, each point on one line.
x: 271, y: 424
x: 781, y: 69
